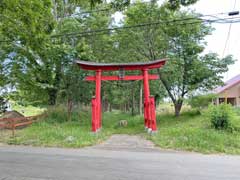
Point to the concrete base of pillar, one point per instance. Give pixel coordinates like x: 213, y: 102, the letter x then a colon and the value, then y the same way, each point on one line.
x: 154, y: 132
x: 96, y: 132
x: 149, y: 130
x: 93, y: 133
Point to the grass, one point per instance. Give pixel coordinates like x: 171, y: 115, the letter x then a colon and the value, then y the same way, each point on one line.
x: 191, y: 132
x: 56, y: 131
x: 57, y: 135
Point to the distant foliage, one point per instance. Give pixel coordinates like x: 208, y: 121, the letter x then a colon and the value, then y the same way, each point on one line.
x: 3, y: 105
x: 201, y: 101
x: 221, y: 116
x: 59, y: 114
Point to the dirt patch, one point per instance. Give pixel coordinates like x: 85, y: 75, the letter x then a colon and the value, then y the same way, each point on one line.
x: 12, y: 114
x: 9, y: 115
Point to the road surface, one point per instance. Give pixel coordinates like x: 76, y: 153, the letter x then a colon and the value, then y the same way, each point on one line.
x: 97, y: 163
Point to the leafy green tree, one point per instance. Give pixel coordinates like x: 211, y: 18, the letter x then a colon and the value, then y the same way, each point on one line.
x: 176, y: 4
x: 187, y: 69
x: 36, y: 62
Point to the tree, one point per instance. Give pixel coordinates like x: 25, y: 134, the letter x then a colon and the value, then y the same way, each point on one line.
x: 36, y: 62
x: 176, y: 4
x: 187, y: 69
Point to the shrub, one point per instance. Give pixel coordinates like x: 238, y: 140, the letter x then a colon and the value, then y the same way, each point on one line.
x: 59, y: 114
x: 56, y: 114
x: 221, y: 116
x: 202, y: 101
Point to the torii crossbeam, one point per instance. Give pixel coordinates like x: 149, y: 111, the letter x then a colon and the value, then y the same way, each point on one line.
x: 149, y: 104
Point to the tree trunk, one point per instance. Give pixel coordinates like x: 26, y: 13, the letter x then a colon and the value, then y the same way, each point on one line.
x: 108, y: 107
x: 105, y: 105
x: 70, y: 106
x: 140, y: 99
x: 178, y: 107
x: 52, y: 96
x: 52, y: 92
x: 133, y: 99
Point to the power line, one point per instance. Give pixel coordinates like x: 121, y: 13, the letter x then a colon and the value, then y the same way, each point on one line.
x: 229, y: 32
x: 106, y: 31
x: 228, y: 35
x: 196, y: 20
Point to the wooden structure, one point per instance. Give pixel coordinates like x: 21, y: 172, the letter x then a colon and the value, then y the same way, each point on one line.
x: 149, y: 104
x: 13, y: 123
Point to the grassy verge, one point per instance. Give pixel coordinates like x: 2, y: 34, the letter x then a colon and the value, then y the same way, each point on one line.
x: 54, y: 132
x: 191, y: 132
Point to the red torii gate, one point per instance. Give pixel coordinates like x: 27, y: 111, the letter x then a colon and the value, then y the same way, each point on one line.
x: 149, y: 104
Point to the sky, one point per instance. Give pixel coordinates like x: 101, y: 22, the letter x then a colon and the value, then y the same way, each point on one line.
x: 216, y: 41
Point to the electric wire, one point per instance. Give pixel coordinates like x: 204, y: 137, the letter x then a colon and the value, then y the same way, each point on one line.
x: 228, y: 36
x: 229, y: 32
x: 195, y: 20
x: 184, y: 21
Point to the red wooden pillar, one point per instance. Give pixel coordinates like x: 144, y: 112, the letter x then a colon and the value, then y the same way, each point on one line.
x: 146, y: 97
x: 94, y: 113
x: 98, y: 99
x: 153, y: 115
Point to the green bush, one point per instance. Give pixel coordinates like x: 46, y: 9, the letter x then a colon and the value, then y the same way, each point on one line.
x: 56, y: 114
x: 202, y: 101
x: 59, y: 114
x: 221, y: 116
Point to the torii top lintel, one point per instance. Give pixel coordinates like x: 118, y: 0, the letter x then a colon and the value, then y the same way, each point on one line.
x: 87, y: 65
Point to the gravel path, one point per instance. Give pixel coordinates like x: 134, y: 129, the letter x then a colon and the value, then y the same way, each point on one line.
x: 119, y: 142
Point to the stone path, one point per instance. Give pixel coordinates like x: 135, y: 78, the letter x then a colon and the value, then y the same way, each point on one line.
x: 119, y: 142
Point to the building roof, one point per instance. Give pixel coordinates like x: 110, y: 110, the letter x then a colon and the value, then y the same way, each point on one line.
x: 228, y: 84
x: 116, y: 66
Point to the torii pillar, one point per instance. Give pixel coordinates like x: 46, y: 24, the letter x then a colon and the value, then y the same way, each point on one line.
x: 96, y: 103
x: 146, y: 96
x: 149, y: 105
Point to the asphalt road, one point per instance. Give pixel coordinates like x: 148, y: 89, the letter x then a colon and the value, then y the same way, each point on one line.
x: 29, y: 163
